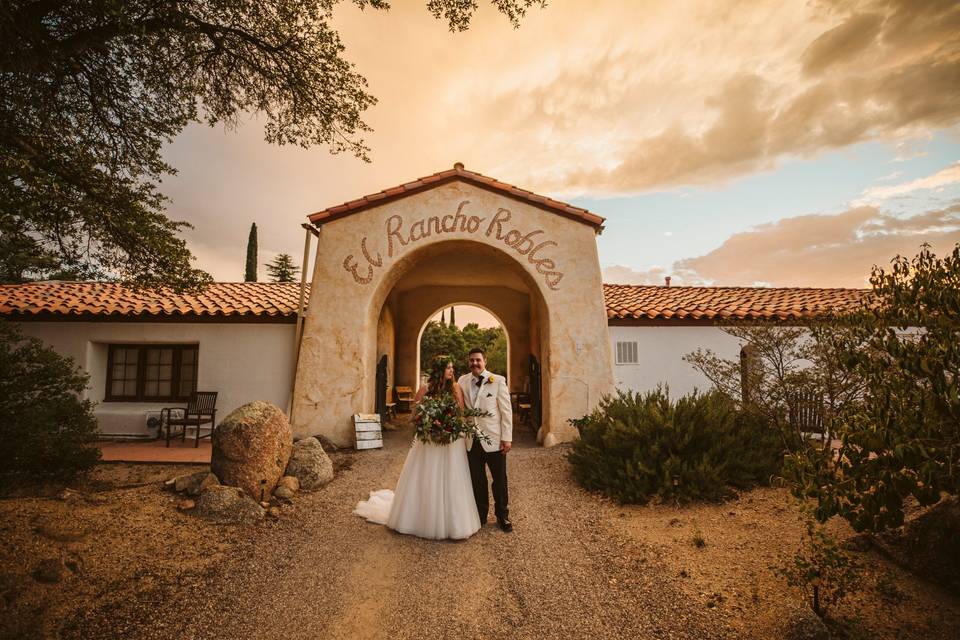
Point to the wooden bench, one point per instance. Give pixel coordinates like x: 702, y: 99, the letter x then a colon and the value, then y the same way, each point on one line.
x: 405, y: 398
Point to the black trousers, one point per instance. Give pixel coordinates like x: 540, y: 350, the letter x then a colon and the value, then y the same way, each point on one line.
x: 497, y: 462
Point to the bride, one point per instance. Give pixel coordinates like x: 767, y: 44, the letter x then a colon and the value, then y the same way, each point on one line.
x: 434, y: 496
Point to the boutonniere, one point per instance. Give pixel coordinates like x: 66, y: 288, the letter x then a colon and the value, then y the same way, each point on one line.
x: 489, y: 380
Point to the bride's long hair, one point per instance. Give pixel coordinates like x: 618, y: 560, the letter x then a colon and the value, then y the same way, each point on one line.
x: 437, y: 384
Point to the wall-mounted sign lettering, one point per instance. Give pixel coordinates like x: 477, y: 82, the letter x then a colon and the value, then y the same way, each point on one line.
x: 530, y: 245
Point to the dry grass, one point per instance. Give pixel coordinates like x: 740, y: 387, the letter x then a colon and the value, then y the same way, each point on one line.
x: 576, y: 564
x: 734, y: 544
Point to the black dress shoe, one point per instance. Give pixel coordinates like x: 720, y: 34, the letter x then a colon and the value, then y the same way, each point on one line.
x: 505, y: 525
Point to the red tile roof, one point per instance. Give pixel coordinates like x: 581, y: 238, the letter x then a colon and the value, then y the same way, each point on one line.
x: 266, y: 300
x: 643, y: 302
x: 443, y: 177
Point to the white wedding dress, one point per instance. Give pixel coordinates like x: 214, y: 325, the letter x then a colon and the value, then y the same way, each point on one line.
x: 434, y: 496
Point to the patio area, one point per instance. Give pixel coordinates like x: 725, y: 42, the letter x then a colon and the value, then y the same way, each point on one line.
x: 155, y: 451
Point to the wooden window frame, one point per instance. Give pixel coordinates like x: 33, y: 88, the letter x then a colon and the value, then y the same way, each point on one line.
x: 178, y: 350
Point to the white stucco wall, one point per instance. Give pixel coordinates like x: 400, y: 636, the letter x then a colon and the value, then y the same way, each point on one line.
x: 661, y: 350
x: 241, y: 361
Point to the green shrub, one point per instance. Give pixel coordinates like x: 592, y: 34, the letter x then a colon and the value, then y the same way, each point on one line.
x: 637, y: 447
x: 46, y: 428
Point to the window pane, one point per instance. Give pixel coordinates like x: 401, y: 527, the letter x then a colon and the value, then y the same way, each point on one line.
x: 130, y: 388
x: 164, y: 389
x: 117, y: 372
x: 186, y: 356
x: 150, y: 388
x: 116, y: 389
x: 131, y: 373
x: 130, y: 356
x: 166, y: 356
x: 153, y: 356
x: 165, y: 372
x: 187, y: 387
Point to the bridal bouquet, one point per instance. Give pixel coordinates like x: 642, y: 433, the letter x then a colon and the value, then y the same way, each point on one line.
x: 441, y: 421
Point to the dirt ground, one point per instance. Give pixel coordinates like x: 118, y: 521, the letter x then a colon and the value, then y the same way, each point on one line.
x: 576, y: 565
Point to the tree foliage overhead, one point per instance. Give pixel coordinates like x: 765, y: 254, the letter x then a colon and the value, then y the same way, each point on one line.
x: 91, y: 90
x: 903, y: 439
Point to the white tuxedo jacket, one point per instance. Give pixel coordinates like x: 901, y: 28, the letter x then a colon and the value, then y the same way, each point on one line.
x: 494, y: 398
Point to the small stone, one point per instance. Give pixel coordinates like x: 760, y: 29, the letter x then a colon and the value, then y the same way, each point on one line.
x: 69, y: 495
x: 265, y: 504
x: 227, y: 505
x: 50, y: 571
x: 189, y: 481
x: 283, y: 493
x: 209, y: 481
x: 290, y: 482
x: 274, y: 512
x: 309, y: 464
x: 186, y: 505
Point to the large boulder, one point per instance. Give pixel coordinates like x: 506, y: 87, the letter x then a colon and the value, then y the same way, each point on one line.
x: 310, y: 464
x: 227, y: 505
x: 251, y: 448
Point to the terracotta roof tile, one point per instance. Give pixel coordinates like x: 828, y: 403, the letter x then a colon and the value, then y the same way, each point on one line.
x: 649, y: 302
x: 279, y: 300
x: 457, y: 173
x: 105, y: 299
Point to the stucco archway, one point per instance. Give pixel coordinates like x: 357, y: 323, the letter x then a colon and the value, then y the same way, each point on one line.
x: 442, y: 276
x: 391, y: 258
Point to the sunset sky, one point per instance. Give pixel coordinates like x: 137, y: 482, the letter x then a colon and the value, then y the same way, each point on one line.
x: 728, y: 143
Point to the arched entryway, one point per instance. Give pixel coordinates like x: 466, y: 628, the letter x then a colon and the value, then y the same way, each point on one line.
x: 464, y: 273
x: 439, y: 318
x: 386, y: 262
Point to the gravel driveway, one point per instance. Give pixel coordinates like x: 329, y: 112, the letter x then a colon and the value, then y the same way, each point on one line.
x: 320, y: 572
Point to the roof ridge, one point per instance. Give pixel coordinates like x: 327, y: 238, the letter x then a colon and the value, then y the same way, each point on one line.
x: 738, y: 287
x: 441, y: 177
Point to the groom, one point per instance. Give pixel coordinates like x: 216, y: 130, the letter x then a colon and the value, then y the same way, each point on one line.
x: 488, y: 392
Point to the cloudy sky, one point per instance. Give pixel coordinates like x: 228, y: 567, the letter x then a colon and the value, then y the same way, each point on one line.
x: 728, y: 143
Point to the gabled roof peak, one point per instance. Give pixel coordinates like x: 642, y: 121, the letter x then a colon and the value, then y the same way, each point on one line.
x: 459, y: 172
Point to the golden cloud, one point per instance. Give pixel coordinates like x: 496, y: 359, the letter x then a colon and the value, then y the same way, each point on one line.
x: 829, y: 250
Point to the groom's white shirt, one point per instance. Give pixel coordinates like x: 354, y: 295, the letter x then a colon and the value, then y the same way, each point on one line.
x: 494, y: 398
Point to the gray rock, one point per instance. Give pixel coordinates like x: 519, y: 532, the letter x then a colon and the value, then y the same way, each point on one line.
x: 227, y: 505
x: 251, y: 448
x: 283, y: 493
x: 194, y: 483
x: 310, y: 464
x: 290, y: 482
x: 51, y: 571
x: 803, y: 624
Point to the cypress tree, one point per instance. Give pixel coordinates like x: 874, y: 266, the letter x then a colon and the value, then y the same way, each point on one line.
x: 251, y: 272
x: 453, y: 320
x: 443, y: 318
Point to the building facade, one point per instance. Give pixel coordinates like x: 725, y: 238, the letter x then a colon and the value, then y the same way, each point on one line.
x: 384, y: 264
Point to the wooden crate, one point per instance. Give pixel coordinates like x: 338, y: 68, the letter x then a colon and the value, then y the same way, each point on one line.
x: 368, y: 431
